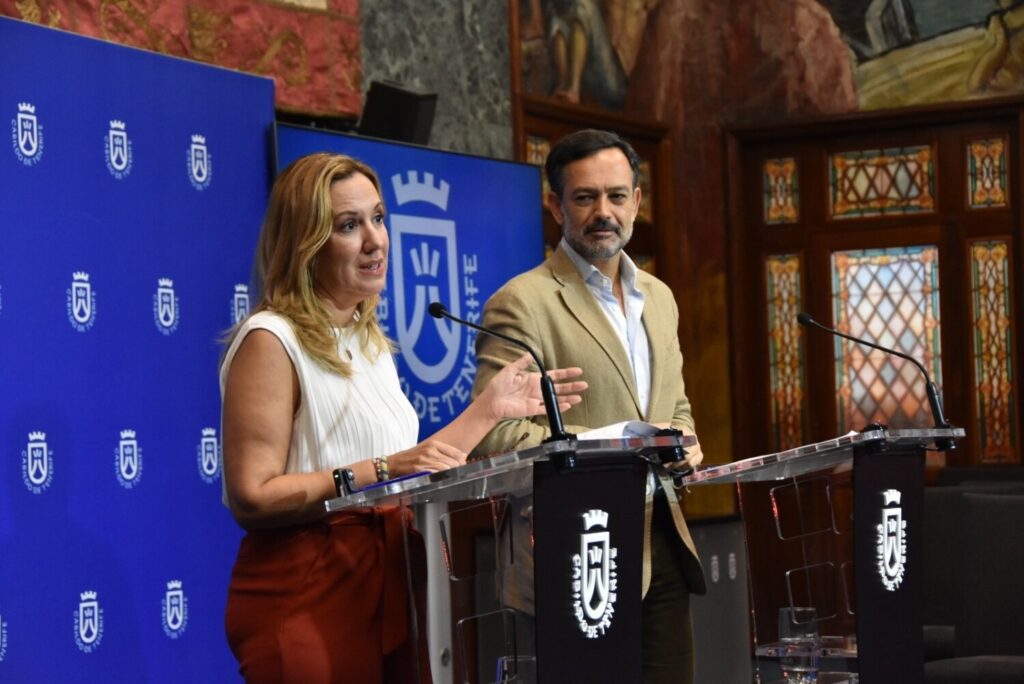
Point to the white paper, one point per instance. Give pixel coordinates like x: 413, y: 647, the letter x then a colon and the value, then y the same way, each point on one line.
x: 628, y: 428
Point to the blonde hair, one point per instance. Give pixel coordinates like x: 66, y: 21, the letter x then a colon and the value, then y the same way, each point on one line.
x: 298, y: 223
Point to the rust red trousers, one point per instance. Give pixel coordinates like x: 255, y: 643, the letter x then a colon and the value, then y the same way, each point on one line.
x: 329, y: 602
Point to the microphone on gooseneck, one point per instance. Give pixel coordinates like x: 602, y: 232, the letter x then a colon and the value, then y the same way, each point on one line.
x: 805, y: 319
x: 547, y: 386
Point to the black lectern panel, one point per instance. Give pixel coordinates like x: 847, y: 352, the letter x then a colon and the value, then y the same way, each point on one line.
x: 588, y: 554
x: 888, y: 520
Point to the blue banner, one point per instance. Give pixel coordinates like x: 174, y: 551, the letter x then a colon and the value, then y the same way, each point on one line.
x: 133, y: 190
x: 460, y: 226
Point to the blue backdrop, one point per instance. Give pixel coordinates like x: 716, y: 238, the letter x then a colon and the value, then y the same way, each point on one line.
x: 133, y: 189
x: 460, y: 226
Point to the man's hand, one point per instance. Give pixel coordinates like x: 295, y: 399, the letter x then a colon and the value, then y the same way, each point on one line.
x: 694, y: 455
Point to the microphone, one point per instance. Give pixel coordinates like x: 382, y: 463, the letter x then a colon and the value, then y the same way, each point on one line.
x: 804, y: 319
x: 547, y: 386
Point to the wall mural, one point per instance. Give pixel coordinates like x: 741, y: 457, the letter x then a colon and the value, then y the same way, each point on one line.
x: 923, y: 51
x: 581, y: 51
x: 901, y: 52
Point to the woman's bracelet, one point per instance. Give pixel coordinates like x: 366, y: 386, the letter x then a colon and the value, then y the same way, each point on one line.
x: 337, y: 475
x: 380, y: 465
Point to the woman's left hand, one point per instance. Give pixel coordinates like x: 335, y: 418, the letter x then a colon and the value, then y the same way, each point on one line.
x: 515, y: 392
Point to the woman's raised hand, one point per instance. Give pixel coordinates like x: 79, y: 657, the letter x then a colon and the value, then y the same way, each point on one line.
x: 515, y: 392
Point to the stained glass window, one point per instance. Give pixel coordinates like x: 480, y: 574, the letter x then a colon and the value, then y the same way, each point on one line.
x: 645, y: 211
x: 986, y: 173
x: 992, y: 349
x: 781, y: 191
x: 537, y: 149
x: 785, y: 350
x: 889, y: 297
x: 898, y: 180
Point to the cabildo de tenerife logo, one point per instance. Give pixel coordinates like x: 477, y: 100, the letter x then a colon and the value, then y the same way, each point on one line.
x: 118, y: 149
x: 209, y: 456
x: 594, y: 576
x: 240, y: 304
x: 81, y: 302
x: 200, y: 163
x: 37, y: 463
x: 429, y: 268
x: 174, y: 609
x: 88, y: 622
x: 3, y: 638
x: 892, y: 540
x: 165, y: 306
x: 27, y: 135
x: 128, y: 463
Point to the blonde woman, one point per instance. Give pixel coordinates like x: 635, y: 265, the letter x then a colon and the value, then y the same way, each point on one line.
x: 309, y: 387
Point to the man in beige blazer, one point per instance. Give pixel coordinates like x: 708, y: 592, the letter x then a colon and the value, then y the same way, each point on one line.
x: 589, y: 306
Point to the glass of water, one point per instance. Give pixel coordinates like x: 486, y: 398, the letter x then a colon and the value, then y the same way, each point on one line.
x: 800, y: 644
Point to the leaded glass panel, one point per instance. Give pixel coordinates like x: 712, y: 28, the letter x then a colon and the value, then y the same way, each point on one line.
x: 986, y: 173
x: 889, y: 297
x: 899, y: 180
x: 992, y: 349
x: 537, y: 149
x: 781, y: 191
x: 785, y: 350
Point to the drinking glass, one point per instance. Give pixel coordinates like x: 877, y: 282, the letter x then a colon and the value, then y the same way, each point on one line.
x: 799, y: 641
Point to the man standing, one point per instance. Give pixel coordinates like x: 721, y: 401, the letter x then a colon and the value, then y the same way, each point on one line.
x: 589, y: 306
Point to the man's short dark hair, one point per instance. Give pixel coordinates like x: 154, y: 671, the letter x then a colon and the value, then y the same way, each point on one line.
x: 580, y: 145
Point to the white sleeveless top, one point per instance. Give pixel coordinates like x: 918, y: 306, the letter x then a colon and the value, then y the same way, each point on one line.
x: 340, y: 420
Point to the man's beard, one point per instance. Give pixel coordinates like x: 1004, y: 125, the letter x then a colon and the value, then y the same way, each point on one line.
x: 592, y: 251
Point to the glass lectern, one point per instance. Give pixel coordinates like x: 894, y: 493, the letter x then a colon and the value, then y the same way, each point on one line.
x: 541, y: 553
x: 833, y: 546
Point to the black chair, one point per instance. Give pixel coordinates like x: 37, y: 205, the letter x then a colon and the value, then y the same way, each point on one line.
x: 989, y: 638
x: 979, y: 475
x: 943, y: 545
x: 940, y: 547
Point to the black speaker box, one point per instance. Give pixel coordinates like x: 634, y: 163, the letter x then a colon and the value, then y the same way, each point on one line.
x: 394, y: 112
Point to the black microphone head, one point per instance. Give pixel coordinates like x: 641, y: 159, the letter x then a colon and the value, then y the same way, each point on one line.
x: 804, y: 318
x: 437, y: 309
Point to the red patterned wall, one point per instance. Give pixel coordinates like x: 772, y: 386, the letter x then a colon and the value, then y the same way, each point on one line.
x: 309, y: 47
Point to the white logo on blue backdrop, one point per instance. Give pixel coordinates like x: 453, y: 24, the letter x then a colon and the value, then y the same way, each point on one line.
x: 240, y: 304
x: 3, y: 638
x: 165, y: 306
x: 209, y: 456
x: 174, y: 609
x: 88, y: 622
x: 81, y: 302
x: 118, y: 150
x: 426, y: 267
x: 37, y: 463
x: 200, y: 165
x: 27, y: 135
x: 129, y: 460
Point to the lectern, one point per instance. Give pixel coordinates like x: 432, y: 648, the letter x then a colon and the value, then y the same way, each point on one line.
x: 542, y: 553
x: 833, y: 534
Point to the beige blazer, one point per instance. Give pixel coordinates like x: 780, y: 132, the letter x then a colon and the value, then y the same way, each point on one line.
x: 550, y: 309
